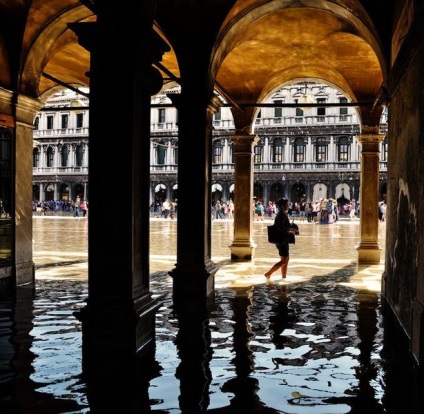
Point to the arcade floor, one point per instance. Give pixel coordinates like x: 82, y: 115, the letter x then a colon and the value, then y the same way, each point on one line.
x: 316, y: 342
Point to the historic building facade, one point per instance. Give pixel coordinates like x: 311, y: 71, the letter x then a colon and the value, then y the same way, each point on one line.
x: 302, y: 152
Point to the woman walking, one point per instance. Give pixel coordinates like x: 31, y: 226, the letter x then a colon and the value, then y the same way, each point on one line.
x: 283, y: 224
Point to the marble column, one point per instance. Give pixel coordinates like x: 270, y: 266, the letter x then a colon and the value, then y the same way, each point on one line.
x: 368, y: 248
x: 243, y: 247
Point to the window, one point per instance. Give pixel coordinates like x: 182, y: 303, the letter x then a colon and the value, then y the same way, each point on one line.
x: 36, y: 122
x: 49, y: 156
x: 299, y: 150
x: 50, y: 122
x: 321, y: 150
x: 80, y: 120
x: 258, y: 149
x: 79, y: 156
x: 278, y: 112
x: 320, y: 111
x: 217, y: 153
x: 299, y: 111
x: 160, y: 154
x: 343, y: 147
x: 217, y: 115
x: 343, y: 111
x: 384, y: 150
x: 161, y: 115
x: 64, y: 121
x: 35, y: 157
x: 65, y: 156
x: 176, y: 154
x: 277, y: 150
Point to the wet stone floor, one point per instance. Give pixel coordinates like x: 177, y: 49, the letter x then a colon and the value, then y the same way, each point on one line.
x: 313, y: 343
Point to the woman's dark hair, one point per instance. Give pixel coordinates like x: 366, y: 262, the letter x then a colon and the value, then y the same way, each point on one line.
x: 282, y: 202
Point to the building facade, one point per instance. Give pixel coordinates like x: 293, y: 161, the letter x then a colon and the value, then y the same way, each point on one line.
x: 302, y: 152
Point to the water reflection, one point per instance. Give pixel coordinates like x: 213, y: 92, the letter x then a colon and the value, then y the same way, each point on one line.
x: 314, y: 346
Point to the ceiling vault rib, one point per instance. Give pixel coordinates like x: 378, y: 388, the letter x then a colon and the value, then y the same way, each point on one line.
x: 226, y: 96
x: 66, y: 85
x: 167, y: 71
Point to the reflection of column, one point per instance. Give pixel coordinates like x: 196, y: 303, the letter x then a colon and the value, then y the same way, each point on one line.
x: 368, y: 247
x: 16, y: 349
x: 243, y: 247
x: 366, y: 372
x: 193, y: 342
x: 243, y: 386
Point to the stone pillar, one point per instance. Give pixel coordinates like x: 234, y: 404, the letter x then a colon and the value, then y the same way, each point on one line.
x: 119, y: 318
x: 194, y: 273
x: 368, y: 247
x: 25, y: 110
x: 243, y: 247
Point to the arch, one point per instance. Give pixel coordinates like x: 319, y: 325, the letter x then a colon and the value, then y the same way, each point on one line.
x: 49, y: 192
x: 159, y: 187
x: 55, y: 47
x: 319, y: 191
x: 216, y: 187
x: 297, y: 192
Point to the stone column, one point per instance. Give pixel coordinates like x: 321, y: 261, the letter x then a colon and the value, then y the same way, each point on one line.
x: 194, y: 273
x: 243, y: 247
x: 119, y: 317
x: 17, y: 114
x: 368, y: 247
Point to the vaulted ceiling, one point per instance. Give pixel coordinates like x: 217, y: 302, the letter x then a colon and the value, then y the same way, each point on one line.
x: 253, y: 46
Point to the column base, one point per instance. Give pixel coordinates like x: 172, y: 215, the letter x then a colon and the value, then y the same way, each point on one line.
x: 193, y: 282
x: 368, y: 253
x: 241, y: 252
x: 25, y: 273
x: 116, y: 329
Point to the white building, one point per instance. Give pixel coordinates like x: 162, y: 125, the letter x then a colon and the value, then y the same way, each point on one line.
x: 302, y: 152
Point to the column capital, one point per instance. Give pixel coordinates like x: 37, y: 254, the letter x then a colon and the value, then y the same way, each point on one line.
x: 370, y: 135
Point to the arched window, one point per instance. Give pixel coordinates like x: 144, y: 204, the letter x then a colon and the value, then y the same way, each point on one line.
x: 49, y: 155
x: 65, y: 156
x: 35, y: 157
x: 343, y: 149
x: 321, y: 150
x: 299, y: 150
x: 277, y: 150
x: 79, y: 156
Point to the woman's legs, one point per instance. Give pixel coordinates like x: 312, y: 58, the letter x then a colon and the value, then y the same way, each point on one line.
x: 283, y: 264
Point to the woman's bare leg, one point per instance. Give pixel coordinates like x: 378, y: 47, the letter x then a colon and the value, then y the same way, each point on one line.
x: 284, y: 266
x: 273, y: 269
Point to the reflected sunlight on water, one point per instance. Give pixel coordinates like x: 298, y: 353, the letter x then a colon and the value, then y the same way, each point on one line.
x: 309, y: 345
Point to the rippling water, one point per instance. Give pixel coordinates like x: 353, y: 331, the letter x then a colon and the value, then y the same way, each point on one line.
x: 313, y: 346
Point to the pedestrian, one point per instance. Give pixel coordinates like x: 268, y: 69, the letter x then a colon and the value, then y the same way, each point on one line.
x: 84, y: 207
x: 283, y: 224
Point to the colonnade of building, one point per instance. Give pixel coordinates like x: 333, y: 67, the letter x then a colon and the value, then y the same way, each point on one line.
x: 299, y: 153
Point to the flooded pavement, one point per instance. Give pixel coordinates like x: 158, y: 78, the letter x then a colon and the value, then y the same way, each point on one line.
x: 315, y: 343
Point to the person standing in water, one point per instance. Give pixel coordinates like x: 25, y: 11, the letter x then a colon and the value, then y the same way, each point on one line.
x: 283, y: 224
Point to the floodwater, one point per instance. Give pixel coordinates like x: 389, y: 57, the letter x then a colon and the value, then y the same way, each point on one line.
x: 315, y: 343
